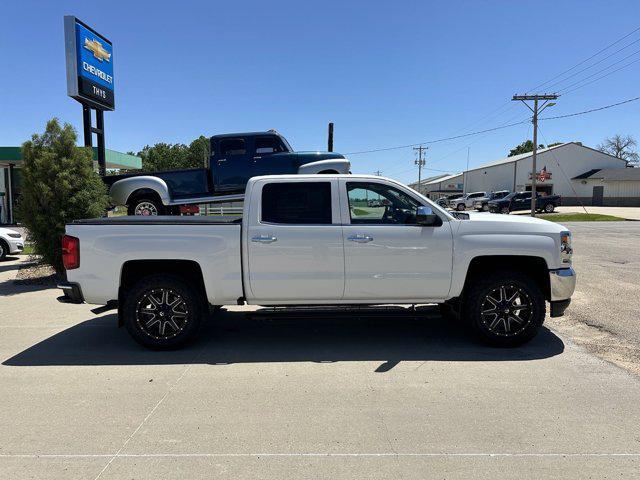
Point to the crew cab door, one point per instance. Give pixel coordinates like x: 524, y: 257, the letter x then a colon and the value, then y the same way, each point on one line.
x: 271, y: 156
x: 388, y: 257
x: 521, y: 201
x: 293, y: 242
x: 230, y: 164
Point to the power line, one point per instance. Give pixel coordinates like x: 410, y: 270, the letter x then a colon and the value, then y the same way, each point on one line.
x: 602, y: 70
x: 603, y: 76
x: 438, y: 140
x: 591, y: 110
x: 597, y: 63
x: 587, y: 59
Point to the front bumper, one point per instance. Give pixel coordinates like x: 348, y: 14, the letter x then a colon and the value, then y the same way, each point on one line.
x: 16, y: 246
x: 72, y: 293
x: 563, y: 283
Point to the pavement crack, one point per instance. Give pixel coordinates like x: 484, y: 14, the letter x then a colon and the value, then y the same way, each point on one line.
x: 152, y: 411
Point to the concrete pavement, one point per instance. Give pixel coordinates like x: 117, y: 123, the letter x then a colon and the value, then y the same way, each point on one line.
x: 260, y: 396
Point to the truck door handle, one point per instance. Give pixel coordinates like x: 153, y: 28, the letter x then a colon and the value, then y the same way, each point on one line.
x: 221, y: 160
x: 264, y: 238
x: 360, y: 238
x: 257, y: 158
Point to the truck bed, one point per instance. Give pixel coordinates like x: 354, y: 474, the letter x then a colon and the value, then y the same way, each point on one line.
x: 188, y: 182
x: 108, y: 244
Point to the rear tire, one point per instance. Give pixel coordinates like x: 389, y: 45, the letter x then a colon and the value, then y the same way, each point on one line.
x: 163, y: 312
x: 505, y: 309
x: 461, y: 207
x: 549, y: 208
x: 146, y: 206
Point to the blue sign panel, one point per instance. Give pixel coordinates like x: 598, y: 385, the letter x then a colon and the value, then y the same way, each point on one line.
x: 95, y: 57
x: 90, y: 77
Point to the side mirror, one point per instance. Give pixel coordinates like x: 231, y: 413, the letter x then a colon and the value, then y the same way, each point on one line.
x: 426, y: 217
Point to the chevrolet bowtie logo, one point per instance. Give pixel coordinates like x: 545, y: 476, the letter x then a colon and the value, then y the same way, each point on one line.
x: 97, y: 49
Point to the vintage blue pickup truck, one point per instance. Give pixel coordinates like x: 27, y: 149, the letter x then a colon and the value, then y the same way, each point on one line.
x: 235, y: 158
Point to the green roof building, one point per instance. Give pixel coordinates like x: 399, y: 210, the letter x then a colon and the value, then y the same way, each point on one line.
x: 11, y: 179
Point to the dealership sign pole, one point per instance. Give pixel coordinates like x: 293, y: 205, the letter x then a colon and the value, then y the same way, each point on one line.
x: 90, y: 78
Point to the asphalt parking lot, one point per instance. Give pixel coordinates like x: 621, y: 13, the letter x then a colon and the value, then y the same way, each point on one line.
x: 383, y: 394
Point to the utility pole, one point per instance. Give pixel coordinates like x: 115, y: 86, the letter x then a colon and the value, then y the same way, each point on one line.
x: 378, y: 173
x: 537, y: 109
x: 466, y: 172
x: 330, y: 138
x: 420, y: 162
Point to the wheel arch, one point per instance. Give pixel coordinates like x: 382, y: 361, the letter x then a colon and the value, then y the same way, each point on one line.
x: 134, y: 270
x: 125, y: 190
x: 536, y: 267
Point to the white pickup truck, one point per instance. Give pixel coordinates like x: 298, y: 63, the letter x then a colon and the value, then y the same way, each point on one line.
x: 310, y: 240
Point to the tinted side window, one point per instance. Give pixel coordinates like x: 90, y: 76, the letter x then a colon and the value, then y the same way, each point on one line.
x: 268, y: 145
x: 232, y: 146
x: 297, y: 203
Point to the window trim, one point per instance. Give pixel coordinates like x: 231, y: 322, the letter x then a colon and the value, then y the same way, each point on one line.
x: 384, y: 184
x: 332, y: 199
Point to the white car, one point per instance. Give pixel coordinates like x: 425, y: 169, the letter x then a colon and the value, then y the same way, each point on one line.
x: 10, y: 242
x: 466, y: 201
x: 309, y: 240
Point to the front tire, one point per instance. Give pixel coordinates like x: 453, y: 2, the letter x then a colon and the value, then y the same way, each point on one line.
x: 506, y: 309
x: 163, y: 312
x: 4, y: 250
x: 147, y: 206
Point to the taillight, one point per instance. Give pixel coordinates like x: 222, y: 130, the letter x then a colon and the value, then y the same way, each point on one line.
x: 70, y: 252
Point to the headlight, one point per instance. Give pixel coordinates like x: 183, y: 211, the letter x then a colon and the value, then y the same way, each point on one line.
x: 565, y: 247
x: 14, y: 235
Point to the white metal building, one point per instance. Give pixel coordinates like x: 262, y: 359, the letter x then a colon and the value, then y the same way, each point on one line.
x: 440, y: 185
x: 559, y: 171
x: 617, y: 187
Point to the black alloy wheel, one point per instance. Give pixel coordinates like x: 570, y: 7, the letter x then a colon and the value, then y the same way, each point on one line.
x: 506, y: 308
x: 163, y: 312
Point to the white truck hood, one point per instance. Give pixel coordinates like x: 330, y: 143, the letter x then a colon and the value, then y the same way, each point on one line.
x: 498, y: 223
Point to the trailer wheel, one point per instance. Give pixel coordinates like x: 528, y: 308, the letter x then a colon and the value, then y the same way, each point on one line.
x: 146, y: 206
x: 162, y: 312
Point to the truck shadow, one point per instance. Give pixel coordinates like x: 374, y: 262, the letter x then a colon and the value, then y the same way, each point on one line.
x: 238, y: 337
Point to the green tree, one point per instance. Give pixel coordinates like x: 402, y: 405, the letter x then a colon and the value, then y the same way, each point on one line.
x: 59, y: 185
x: 199, y: 152
x: 524, y: 147
x: 172, y: 156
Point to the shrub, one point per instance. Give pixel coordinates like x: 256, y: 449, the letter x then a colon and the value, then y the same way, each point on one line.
x: 59, y: 185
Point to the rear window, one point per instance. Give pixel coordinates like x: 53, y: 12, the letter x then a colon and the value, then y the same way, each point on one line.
x: 297, y: 203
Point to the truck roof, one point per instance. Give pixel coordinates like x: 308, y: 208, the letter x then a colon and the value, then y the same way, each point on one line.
x: 246, y: 134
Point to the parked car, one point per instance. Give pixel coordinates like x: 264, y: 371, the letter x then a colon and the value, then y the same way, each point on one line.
x: 10, y: 242
x: 301, y: 241
x: 449, y: 199
x: 234, y: 159
x: 482, y: 204
x: 466, y: 201
x: 522, y: 201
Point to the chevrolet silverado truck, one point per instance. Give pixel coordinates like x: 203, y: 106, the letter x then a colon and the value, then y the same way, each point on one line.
x: 234, y: 159
x: 318, y: 240
x: 522, y: 201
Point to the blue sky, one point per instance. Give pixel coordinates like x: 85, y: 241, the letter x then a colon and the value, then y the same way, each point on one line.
x: 386, y: 73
